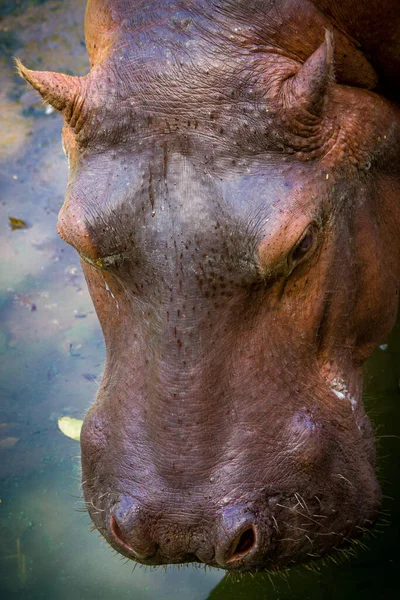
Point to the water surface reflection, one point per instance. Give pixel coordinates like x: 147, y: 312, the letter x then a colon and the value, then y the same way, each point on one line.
x: 51, y: 360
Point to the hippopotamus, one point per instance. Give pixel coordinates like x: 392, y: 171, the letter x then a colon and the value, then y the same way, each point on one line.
x: 233, y: 195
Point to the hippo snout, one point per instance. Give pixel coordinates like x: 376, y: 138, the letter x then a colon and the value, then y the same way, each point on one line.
x: 237, y: 540
x: 270, y: 532
x: 159, y: 505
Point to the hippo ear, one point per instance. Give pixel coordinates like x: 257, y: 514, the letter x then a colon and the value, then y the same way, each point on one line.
x: 306, y: 91
x: 61, y: 91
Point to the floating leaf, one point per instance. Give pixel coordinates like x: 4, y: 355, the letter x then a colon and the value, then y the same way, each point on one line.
x: 8, y: 442
x: 17, y: 223
x: 70, y: 427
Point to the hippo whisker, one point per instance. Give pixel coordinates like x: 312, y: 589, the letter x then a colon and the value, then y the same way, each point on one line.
x: 308, y: 517
x: 76, y: 496
x: 275, y: 524
x: 297, y: 527
x: 344, y: 478
x: 283, y: 506
x: 81, y: 509
x: 359, y: 543
x: 301, y: 501
x: 297, y: 512
x: 102, y: 495
x: 91, y: 504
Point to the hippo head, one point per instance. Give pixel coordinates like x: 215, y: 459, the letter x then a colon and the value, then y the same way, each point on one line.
x: 236, y: 213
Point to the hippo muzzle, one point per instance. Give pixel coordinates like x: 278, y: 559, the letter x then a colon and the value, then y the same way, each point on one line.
x: 272, y: 497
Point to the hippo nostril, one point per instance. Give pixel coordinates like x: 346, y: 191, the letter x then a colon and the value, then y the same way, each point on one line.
x: 141, y: 551
x: 245, y: 543
x: 242, y: 545
x: 241, y: 540
x: 117, y: 533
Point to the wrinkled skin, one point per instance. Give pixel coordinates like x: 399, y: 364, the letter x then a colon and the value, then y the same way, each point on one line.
x: 234, y: 197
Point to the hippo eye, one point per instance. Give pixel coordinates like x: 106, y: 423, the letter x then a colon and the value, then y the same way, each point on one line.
x: 303, y: 247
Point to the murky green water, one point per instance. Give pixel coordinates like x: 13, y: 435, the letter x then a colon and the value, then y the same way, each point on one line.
x: 51, y: 357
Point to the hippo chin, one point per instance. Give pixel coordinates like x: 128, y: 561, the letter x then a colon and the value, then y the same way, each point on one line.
x: 234, y: 197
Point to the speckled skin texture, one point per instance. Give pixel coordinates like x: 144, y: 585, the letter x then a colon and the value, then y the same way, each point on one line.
x: 234, y: 196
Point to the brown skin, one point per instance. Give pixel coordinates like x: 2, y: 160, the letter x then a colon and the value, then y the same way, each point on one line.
x: 234, y: 196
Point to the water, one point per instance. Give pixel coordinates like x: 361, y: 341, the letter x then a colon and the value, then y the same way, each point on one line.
x: 51, y: 361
